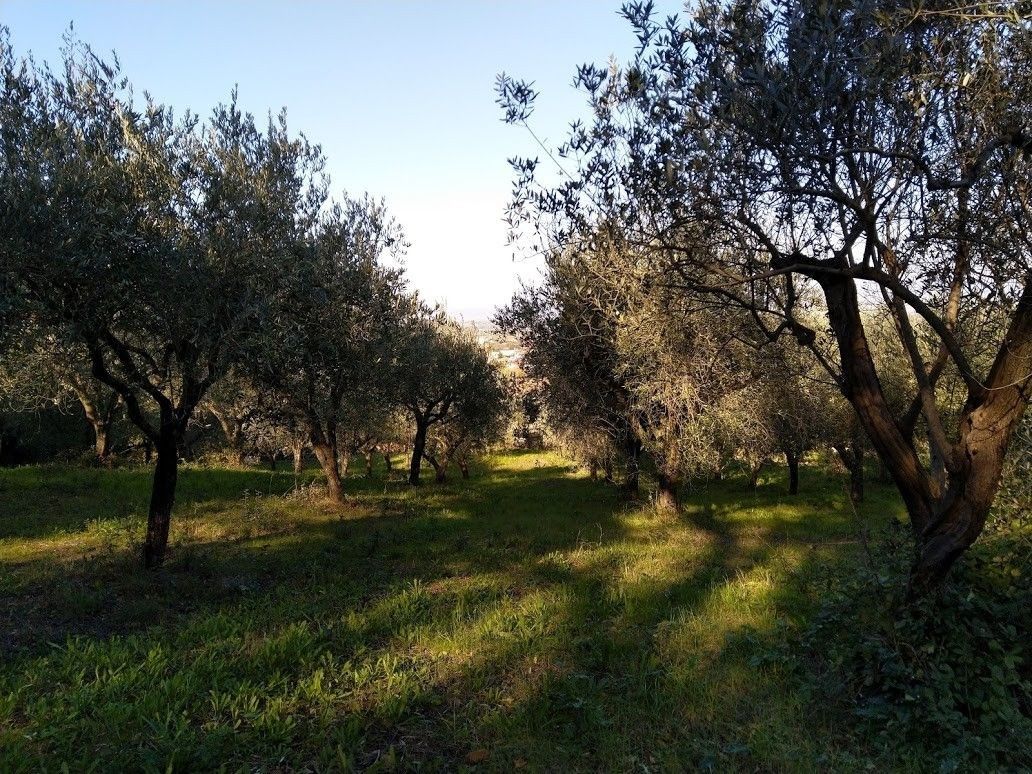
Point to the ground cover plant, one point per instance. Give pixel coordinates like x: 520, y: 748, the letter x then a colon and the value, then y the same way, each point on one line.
x: 525, y: 618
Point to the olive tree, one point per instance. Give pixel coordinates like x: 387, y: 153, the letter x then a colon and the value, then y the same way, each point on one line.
x: 233, y: 402
x: 796, y: 405
x: 873, y: 153
x: 442, y: 378
x: 323, y: 364
x: 481, y: 415
x: 567, y: 324
x: 39, y: 369
x: 145, y: 239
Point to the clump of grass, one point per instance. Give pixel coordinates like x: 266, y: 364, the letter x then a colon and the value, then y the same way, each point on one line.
x: 307, y: 492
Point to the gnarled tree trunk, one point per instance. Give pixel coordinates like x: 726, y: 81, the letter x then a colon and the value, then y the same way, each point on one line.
x: 440, y: 468
x: 666, y: 493
x: 852, y: 458
x: 324, y: 445
x: 945, y: 520
x: 232, y: 429
x: 101, y: 418
x: 754, y: 474
x: 102, y: 441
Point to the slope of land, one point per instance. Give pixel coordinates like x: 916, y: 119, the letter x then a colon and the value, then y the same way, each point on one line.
x: 528, y: 618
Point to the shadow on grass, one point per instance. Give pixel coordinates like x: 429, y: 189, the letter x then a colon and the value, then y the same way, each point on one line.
x: 528, y: 613
x: 43, y: 501
x: 392, y: 533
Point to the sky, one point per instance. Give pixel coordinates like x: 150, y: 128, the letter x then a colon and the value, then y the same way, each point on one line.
x: 399, y: 93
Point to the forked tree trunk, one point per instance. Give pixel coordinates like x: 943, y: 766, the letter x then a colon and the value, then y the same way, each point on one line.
x: 163, y: 494
x: 100, y: 420
x: 987, y: 426
x: 451, y: 451
x: 792, y: 458
x: 945, y: 523
x: 102, y: 442
x: 298, y: 449
x: 937, y: 465
x: 440, y: 467
x: 327, y: 458
x: 418, y: 449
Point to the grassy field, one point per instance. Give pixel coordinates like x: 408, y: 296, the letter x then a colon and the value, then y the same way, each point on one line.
x: 526, y: 619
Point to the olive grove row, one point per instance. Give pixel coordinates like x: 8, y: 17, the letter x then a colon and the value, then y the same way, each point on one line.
x: 820, y: 204
x: 165, y: 266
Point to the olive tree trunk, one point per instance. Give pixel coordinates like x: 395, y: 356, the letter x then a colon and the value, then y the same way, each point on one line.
x: 101, y: 419
x: 852, y: 458
x: 418, y: 450
x: 792, y: 458
x: 440, y: 468
x: 945, y: 520
x: 163, y: 495
x: 754, y: 474
x: 324, y: 445
x: 666, y: 493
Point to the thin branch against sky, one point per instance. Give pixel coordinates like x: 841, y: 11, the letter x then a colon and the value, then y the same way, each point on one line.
x: 400, y: 95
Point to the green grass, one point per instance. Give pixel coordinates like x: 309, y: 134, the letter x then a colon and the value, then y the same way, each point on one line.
x: 528, y: 618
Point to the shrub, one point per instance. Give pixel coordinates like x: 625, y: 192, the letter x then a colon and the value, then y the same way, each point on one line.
x: 951, y: 673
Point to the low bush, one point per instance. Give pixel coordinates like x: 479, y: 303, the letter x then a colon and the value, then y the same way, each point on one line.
x: 950, y: 674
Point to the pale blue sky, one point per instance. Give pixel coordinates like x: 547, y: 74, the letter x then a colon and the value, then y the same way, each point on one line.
x: 399, y: 94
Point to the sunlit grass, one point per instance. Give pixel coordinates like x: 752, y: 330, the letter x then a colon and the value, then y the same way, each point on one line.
x: 528, y: 612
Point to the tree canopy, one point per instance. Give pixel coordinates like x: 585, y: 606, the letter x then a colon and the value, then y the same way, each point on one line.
x: 803, y: 160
